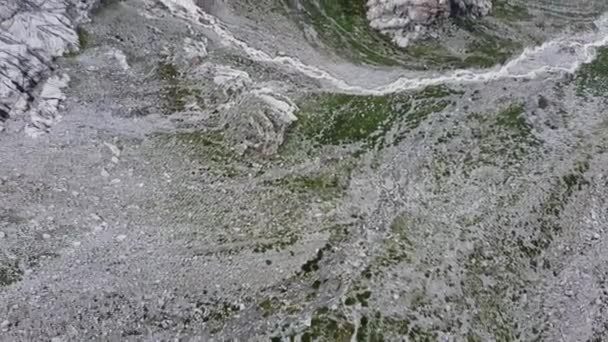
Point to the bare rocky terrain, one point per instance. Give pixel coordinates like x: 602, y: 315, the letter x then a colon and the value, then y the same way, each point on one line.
x: 180, y: 170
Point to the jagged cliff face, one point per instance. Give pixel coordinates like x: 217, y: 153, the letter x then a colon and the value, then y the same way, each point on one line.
x: 403, y: 20
x: 32, y: 33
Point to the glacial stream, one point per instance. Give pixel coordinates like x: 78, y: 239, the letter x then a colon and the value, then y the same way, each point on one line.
x: 561, y: 55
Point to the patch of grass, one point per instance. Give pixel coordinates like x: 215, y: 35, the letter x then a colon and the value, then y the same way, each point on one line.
x: 312, y: 265
x: 547, y: 225
x: 543, y: 102
x: 503, y: 10
x: 486, y: 49
x: 592, y: 78
x: 554, y: 204
x: 223, y: 312
x: 375, y: 328
x: 336, y: 119
x: 317, y: 183
x: 339, y: 119
x: 175, y: 93
x: 269, y: 306
x: 434, y: 54
x: 503, y: 138
x: 437, y: 91
x: 177, y: 97
x: 326, y: 325
x: 327, y: 184
x: 278, y: 245
x: 205, y: 146
x: 342, y: 25
x: 338, y: 233
x: 363, y: 297
x: 397, y: 246
x: 202, y: 142
x: 491, y: 315
x: 512, y: 119
x: 84, y: 38
x: 10, y: 273
x: 168, y: 71
x: 369, y: 330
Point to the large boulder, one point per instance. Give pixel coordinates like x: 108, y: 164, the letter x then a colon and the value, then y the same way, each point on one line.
x: 403, y: 20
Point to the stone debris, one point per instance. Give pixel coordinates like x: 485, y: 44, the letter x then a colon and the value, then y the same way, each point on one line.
x: 194, y: 50
x: 113, y: 148
x: 45, y: 112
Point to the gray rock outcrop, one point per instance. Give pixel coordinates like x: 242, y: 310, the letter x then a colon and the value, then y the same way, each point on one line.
x: 404, y: 20
x: 252, y: 115
x: 32, y: 34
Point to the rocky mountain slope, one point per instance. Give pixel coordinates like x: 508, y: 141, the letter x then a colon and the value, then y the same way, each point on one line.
x: 282, y: 170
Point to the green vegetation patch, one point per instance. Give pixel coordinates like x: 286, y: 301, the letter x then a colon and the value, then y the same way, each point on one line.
x: 269, y: 306
x: 84, y: 37
x: 176, y: 93
x: 397, y: 246
x: 551, y: 208
x: 332, y: 325
x: 328, y: 326
x: 376, y: 328
x: 326, y: 185
x: 512, y: 120
x: 508, y: 12
x: 592, y: 78
x: 85, y: 40
x: 278, y: 245
x: 487, y: 47
x: 312, y: 265
x: 10, y: 273
x: 492, y: 316
x: 343, y: 26
x: 338, y: 119
x: 504, y: 138
x: 220, y: 314
x: 361, y: 296
x: 206, y: 146
x: 487, y: 50
x: 329, y: 183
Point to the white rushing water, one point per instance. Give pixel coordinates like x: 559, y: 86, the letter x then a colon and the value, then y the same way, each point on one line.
x: 562, y: 55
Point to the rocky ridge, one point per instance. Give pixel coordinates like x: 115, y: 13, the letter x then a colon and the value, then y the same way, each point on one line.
x: 404, y: 20
x: 32, y: 34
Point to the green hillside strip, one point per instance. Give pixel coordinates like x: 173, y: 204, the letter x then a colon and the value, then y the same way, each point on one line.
x: 338, y: 119
x: 592, y: 78
x: 342, y: 25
